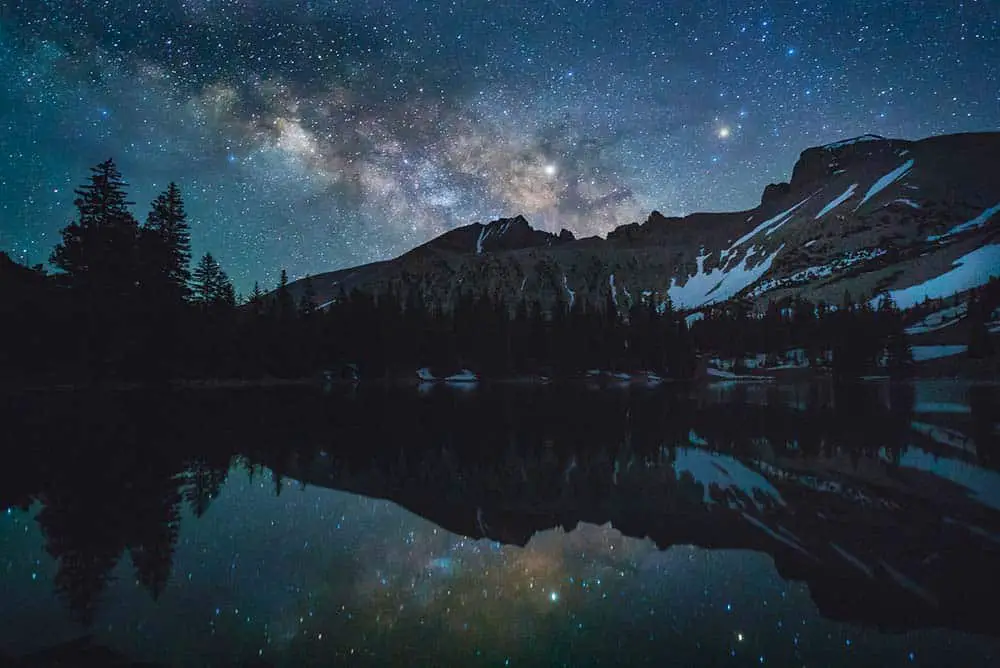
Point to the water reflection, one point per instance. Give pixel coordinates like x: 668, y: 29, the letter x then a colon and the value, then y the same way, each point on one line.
x: 177, y: 526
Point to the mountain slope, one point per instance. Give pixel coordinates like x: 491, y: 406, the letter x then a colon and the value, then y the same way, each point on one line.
x: 865, y: 215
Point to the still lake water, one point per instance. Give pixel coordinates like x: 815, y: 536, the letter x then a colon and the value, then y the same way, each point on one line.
x: 560, y: 525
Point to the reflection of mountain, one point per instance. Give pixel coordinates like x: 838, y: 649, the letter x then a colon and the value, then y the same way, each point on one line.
x: 820, y: 489
x: 826, y: 481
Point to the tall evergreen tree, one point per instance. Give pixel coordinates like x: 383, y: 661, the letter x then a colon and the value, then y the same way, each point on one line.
x: 283, y: 302
x: 168, y: 241
x: 211, y: 286
x: 256, y: 300
x: 899, y: 355
x: 99, y: 251
x: 99, y: 256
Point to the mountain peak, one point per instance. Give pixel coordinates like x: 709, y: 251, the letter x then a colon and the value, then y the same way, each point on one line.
x: 853, y: 141
x: 506, y: 234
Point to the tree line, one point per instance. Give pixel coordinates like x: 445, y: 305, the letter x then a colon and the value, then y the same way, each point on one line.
x: 126, y: 304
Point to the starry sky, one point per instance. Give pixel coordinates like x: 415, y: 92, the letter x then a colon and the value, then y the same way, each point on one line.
x: 319, y: 134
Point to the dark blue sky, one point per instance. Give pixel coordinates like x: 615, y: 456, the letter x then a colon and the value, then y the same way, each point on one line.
x: 319, y: 134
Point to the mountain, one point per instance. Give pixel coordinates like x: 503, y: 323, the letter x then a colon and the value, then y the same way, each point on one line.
x: 864, y: 215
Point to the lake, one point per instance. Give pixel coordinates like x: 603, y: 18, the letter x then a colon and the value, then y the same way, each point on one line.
x: 730, y: 524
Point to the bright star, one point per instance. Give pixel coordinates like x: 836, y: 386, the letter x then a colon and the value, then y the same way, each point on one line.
x: 724, y: 132
x: 550, y: 170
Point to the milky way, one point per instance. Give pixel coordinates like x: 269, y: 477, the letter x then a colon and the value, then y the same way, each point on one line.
x: 319, y: 134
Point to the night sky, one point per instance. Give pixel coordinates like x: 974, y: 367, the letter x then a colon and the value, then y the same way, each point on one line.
x: 317, y: 134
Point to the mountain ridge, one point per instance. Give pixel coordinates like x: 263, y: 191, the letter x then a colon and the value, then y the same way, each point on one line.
x: 863, y: 215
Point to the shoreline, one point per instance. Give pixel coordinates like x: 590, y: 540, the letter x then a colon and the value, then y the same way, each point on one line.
x: 598, y: 382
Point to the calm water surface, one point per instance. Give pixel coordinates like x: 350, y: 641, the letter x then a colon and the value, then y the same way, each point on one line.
x: 733, y: 525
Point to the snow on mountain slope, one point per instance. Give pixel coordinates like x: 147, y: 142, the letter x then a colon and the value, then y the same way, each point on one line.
x: 885, y: 182
x: 840, y: 199
x: 970, y: 271
x: 977, y: 222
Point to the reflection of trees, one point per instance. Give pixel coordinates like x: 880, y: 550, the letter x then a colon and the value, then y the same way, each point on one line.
x: 202, y: 481
x: 84, y: 543
x: 155, y: 529
x: 89, y: 521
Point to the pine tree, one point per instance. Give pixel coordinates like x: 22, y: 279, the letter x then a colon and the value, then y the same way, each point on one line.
x: 99, y: 251
x: 256, y: 300
x: 169, y: 241
x: 99, y: 256
x: 899, y: 355
x: 212, y: 288
x: 283, y: 302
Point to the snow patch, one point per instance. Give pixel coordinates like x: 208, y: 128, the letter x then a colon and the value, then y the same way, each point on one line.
x: 692, y: 318
x: 614, y: 291
x: 718, y: 285
x: 425, y: 374
x: 976, y: 222
x: 463, y: 376
x: 908, y: 202
x: 886, y: 181
x: 810, y: 243
x: 482, y: 237
x: 571, y: 293
x: 970, y: 271
x: 837, y: 201
x: 938, y: 320
x: 822, y: 271
x: 778, y: 220
x: 695, y: 439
